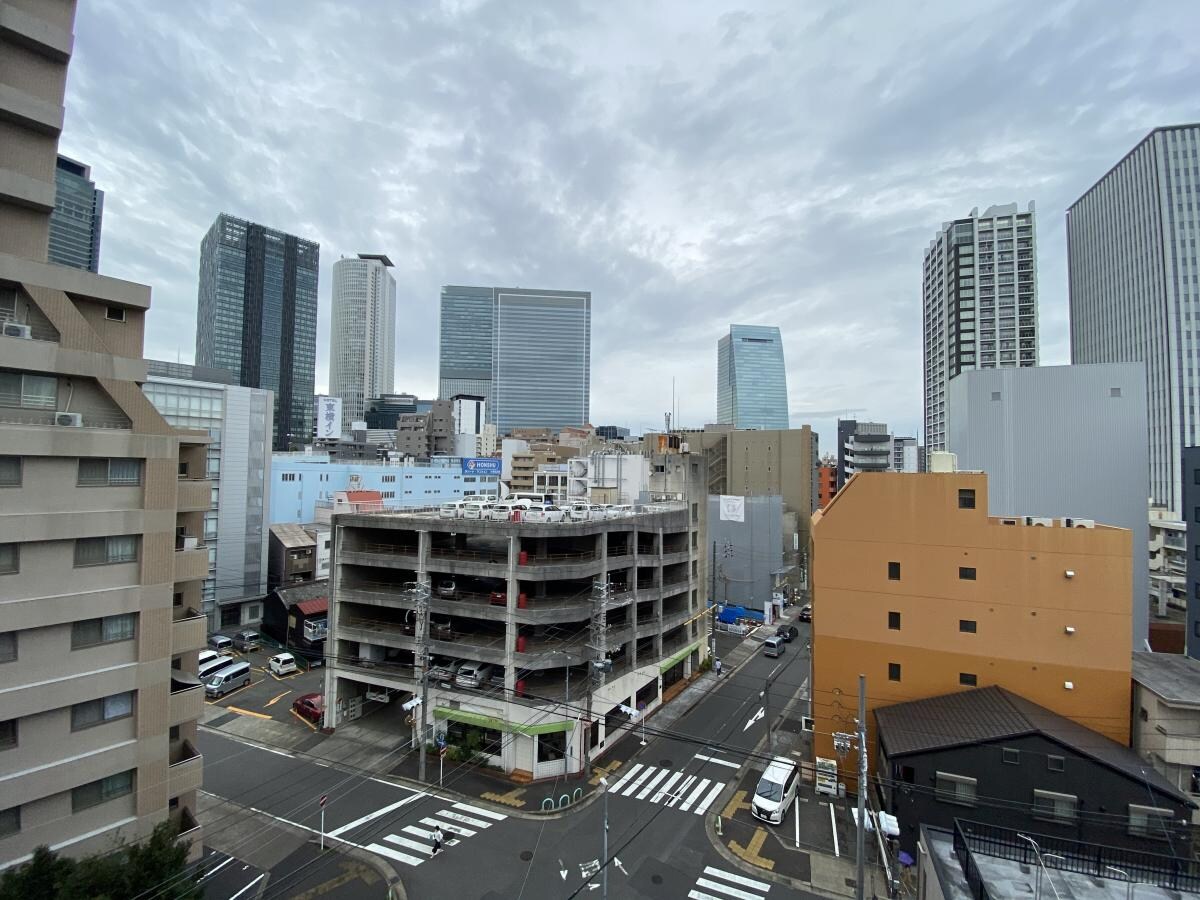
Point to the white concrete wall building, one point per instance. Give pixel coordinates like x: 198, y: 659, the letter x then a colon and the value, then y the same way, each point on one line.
x: 362, y: 344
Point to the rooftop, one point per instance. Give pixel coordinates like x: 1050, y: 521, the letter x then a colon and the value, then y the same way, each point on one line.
x: 292, y: 535
x: 295, y: 594
x: 1173, y: 676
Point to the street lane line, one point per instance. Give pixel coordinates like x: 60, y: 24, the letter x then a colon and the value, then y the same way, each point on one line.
x: 727, y: 891
x: 700, y: 895
x: 737, y: 879
x: 666, y: 788
x: 704, y: 782
x: 452, y: 829
x: 707, y: 801
x: 624, y: 778
x: 638, y: 783
x: 393, y: 854
x: 218, y: 868
x: 425, y: 848
x: 466, y: 820
x: 278, y: 751
x: 719, y: 762
x: 683, y: 787
x: 475, y: 810
x: 373, y: 815
x: 423, y: 834
x: 644, y: 792
x: 250, y: 885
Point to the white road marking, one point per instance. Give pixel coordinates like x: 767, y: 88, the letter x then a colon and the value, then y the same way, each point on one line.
x: 702, y: 808
x: 394, y: 854
x: 694, y: 795
x: 666, y: 788
x: 453, y: 829
x: 250, y: 885
x: 719, y: 762
x: 644, y: 792
x: 638, y: 783
x: 727, y: 891
x: 216, y: 869
x: 624, y: 778
x: 466, y: 820
x: 374, y: 815
x: 477, y: 811
x: 425, y: 848
x: 683, y: 787
x: 737, y: 879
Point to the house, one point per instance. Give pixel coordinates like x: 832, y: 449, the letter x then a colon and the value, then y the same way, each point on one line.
x: 1166, y: 718
x: 993, y: 757
x: 291, y: 556
x: 298, y: 617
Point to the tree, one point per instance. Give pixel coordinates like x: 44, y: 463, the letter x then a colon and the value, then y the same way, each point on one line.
x: 157, y: 866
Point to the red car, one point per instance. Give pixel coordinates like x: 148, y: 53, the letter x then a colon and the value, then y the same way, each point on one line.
x: 310, y: 707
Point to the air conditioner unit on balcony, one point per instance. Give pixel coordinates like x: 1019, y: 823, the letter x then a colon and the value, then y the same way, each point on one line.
x: 1039, y: 520
x: 69, y: 420
x: 13, y: 329
x: 191, y: 543
x: 1079, y: 523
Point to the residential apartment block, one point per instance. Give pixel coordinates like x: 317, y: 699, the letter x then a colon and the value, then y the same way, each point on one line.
x: 915, y: 586
x: 362, y: 342
x: 863, y: 447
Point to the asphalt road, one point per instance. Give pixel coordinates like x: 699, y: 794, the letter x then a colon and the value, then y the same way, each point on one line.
x: 270, y: 696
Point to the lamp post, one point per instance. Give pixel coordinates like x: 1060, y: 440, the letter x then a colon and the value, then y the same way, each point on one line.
x: 1125, y: 875
x: 1037, y: 853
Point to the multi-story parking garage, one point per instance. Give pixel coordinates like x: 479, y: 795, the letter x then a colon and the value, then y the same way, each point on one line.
x: 516, y: 612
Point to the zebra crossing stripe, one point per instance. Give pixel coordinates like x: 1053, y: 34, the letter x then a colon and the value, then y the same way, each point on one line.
x: 395, y: 854
x: 477, y: 811
x: 466, y: 820
x: 423, y: 834
x: 633, y: 787
x: 624, y: 778
x: 448, y: 827
x: 737, y: 879
x: 696, y: 793
x: 645, y: 792
x: 727, y: 891
x: 707, y: 801
x: 683, y: 787
x: 423, y: 847
x: 666, y: 788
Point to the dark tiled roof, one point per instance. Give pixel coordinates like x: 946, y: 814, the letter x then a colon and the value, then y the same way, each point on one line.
x: 292, y: 594
x: 990, y: 714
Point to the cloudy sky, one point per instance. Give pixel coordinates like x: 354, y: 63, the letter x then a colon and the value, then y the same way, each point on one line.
x: 692, y: 164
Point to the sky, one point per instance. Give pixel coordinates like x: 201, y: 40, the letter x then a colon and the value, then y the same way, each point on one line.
x: 692, y: 164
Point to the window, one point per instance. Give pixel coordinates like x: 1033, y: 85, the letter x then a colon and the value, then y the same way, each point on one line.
x: 28, y: 391
x: 1052, y: 807
x: 10, y: 559
x: 10, y: 471
x: 893, y: 671
x: 966, y: 498
x: 100, y: 472
x: 103, y: 551
x: 10, y: 821
x: 1055, y: 764
x: 97, y: 712
x: 995, y: 395
x: 966, y: 573
x: 1114, y: 392
x: 1010, y: 756
x: 89, y: 632
x: 115, y: 314
x: 102, y: 791
x: 893, y: 571
x: 1150, y: 821
x: 967, y: 679
x: 966, y: 626
x: 8, y: 734
x: 955, y: 789
x: 894, y: 621
x: 8, y: 646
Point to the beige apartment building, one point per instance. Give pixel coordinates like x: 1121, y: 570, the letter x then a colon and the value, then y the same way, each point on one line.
x: 101, y: 515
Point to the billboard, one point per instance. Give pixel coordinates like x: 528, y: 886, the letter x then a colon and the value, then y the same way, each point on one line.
x: 329, y: 417
x: 481, y: 466
x: 733, y: 509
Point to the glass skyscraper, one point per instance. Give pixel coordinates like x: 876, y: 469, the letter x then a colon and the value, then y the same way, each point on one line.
x: 257, y: 317
x: 752, y: 378
x: 362, y: 334
x: 528, y: 353
x: 75, y: 222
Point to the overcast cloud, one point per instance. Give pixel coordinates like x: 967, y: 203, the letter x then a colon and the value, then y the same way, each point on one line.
x: 692, y: 164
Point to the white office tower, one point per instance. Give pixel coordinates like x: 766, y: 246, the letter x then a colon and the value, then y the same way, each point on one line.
x: 1134, y: 288
x: 980, y: 303
x: 467, y: 414
x: 362, y: 345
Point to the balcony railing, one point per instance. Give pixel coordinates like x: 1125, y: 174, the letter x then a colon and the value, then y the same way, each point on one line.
x: 188, y: 629
x: 186, y: 769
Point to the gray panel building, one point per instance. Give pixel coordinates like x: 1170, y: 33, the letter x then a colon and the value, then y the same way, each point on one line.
x: 1060, y: 441
x: 747, y: 553
x: 78, y: 212
x: 1132, y: 262
x: 1191, y: 515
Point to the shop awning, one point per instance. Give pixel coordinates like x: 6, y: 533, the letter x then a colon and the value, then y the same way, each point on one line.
x: 672, y: 660
x: 497, y: 724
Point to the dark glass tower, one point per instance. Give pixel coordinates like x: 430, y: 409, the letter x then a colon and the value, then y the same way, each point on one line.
x: 75, y: 222
x: 257, y: 313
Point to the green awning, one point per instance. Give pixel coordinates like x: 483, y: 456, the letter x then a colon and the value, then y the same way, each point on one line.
x: 672, y: 660
x: 496, y: 724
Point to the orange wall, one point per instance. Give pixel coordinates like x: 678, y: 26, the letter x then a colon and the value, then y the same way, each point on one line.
x: 1021, y: 601
x: 826, y: 485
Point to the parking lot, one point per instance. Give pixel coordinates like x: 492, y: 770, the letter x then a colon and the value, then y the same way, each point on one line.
x: 268, y: 696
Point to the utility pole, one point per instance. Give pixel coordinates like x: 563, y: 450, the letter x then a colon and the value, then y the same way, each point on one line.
x: 767, y: 715
x: 421, y: 591
x: 598, y: 632
x: 712, y: 603
x: 862, y: 784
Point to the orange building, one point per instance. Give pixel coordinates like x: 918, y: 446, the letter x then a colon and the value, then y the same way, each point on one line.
x: 826, y: 485
x: 916, y: 587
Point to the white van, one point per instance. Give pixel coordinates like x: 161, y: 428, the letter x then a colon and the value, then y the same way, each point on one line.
x: 207, y: 656
x: 472, y: 675
x: 233, y: 676
x: 209, y: 666
x: 776, y: 791
x: 579, y: 512
x: 282, y: 664
x: 452, y: 510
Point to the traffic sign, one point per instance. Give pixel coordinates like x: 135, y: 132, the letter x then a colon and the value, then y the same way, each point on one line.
x: 324, y: 797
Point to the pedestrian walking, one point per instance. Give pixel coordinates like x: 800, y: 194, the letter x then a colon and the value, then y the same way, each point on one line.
x: 437, y: 839
x: 717, y: 666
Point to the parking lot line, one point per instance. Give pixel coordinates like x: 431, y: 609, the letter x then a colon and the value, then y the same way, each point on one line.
x: 300, y: 718
x: 247, y: 712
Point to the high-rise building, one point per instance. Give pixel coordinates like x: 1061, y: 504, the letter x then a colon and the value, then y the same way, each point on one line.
x: 905, y: 454
x: 751, y: 378
x: 862, y: 447
x: 527, y: 353
x: 101, y: 553
x: 980, y: 302
x: 257, y: 317
x: 75, y: 222
x: 1132, y: 261
x: 362, y: 346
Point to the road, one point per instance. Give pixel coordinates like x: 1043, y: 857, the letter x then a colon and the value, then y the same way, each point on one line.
x: 657, y: 807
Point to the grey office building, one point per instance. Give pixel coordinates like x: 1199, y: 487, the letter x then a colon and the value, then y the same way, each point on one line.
x: 257, y: 317
x: 78, y: 212
x: 749, y: 554
x: 752, y: 378
x: 1061, y: 442
x: 1132, y: 266
x: 526, y: 352
x: 980, y: 303
x: 1191, y: 515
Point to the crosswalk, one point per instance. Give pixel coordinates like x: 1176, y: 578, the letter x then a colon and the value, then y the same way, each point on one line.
x: 717, y: 884
x: 411, y: 845
x: 689, y: 793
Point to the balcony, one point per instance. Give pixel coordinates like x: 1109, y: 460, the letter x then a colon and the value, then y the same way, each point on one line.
x: 186, y: 770
x: 189, y: 628
x: 186, y: 702
x: 188, y: 832
x: 191, y: 560
x: 195, y: 495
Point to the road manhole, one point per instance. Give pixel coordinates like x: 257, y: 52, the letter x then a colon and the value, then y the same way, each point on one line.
x: 656, y: 879
x: 666, y: 763
x: 526, y: 855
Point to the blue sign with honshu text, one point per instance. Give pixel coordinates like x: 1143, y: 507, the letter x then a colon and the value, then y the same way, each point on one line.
x: 481, y: 466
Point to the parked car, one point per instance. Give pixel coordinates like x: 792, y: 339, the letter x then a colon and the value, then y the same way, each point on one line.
x: 220, y: 643
x: 234, y: 675
x: 282, y: 664
x: 543, y: 512
x: 806, y: 612
x: 776, y: 790
x: 310, y: 707
x: 453, y: 510
x: 447, y: 589
x: 246, y: 640
x: 473, y: 509
x: 773, y: 646
x: 787, y: 633
x: 207, y: 656
x: 580, y: 512
x: 472, y: 675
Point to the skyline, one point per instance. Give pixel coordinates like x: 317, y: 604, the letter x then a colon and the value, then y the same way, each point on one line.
x: 827, y: 137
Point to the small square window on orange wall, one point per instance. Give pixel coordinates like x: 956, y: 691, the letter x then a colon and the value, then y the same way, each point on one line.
x: 966, y: 498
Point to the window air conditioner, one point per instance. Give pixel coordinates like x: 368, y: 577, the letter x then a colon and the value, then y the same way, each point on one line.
x: 13, y: 329
x: 1079, y: 523
x: 70, y: 420
x: 1039, y: 520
